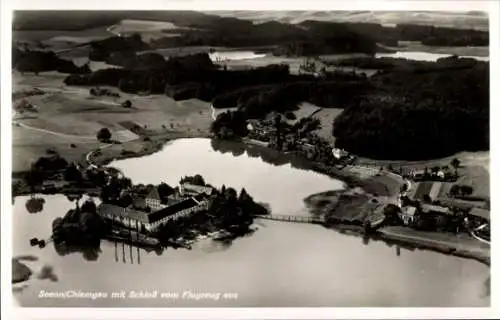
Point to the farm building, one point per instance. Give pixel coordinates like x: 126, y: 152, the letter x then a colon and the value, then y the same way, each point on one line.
x: 339, y: 153
x: 434, y: 209
x: 408, y: 214
x: 433, y: 190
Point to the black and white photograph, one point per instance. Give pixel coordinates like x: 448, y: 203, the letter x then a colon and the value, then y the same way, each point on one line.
x: 249, y: 158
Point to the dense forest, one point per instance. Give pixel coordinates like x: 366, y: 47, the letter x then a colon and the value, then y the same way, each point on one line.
x: 40, y: 61
x: 410, y: 110
x: 413, y: 111
x: 101, y: 50
x: 419, y: 115
x: 389, y: 63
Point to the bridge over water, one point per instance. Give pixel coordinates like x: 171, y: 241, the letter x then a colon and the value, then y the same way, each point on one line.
x: 375, y: 221
x: 290, y: 218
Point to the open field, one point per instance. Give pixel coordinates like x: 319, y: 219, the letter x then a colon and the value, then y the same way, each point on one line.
x: 268, y: 59
x: 58, y: 39
x: 148, y: 29
x: 474, y: 170
x: 326, y: 117
x: 28, y: 146
x: 69, y: 115
x: 306, y: 110
x: 478, y: 178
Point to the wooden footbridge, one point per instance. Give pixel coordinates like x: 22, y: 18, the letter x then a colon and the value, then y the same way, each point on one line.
x: 290, y: 218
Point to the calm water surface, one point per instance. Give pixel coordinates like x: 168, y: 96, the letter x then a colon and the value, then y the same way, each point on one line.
x: 235, y: 55
x: 280, y: 265
x: 423, y: 56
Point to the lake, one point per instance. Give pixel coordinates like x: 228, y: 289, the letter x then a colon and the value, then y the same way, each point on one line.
x: 423, y: 56
x: 280, y: 265
x: 235, y: 55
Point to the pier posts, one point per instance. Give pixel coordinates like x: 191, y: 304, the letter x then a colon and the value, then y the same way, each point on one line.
x: 131, y: 254
x: 123, y: 252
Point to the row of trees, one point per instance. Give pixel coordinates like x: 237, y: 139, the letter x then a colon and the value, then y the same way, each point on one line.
x: 461, y: 190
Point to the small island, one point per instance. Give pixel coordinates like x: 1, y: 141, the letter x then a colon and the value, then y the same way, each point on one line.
x: 148, y: 216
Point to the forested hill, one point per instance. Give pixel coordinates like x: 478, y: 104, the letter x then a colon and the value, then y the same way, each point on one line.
x: 307, y: 38
x: 419, y: 115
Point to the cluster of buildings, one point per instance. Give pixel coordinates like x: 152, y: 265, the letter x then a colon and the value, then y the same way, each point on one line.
x: 411, y: 214
x: 151, y: 213
x: 430, y: 199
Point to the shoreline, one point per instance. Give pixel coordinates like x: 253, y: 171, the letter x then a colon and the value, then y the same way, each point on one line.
x: 403, y: 241
x: 349, y: 179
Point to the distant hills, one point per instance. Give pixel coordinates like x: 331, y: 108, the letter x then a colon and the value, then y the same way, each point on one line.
x: 460, y: 20
x: 77, y: 20
x: 328, y: 32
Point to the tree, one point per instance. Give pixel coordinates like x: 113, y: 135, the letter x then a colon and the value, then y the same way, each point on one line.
x: 72, y: 173
x: 466, y: 190
x: 34, y: 178
x: 198, y: 180
x: 454, y: 190
x: 89, y: 206
x: 125, y: 183
x: 391, y: 212
x: 104, y: 135
x: 455, y: 163
x: 35, y: 205
x: 231, y: 195
x: 367, y: 227
x: 127, y: 104
x: 441, y: 223
x: 426, y: 172
x: 403, y: 188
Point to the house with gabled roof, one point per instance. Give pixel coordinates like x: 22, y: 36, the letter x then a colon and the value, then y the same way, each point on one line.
x: 153, y: 199
x: 408, y: 214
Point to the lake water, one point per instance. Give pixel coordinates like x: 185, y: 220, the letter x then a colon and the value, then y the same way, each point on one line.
x: 280, y: 265
x: 235, y: 55
x: 423, y: 56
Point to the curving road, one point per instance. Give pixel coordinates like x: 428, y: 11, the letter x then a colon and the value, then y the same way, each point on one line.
x: 475, y: 236
x: 64, y: 135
